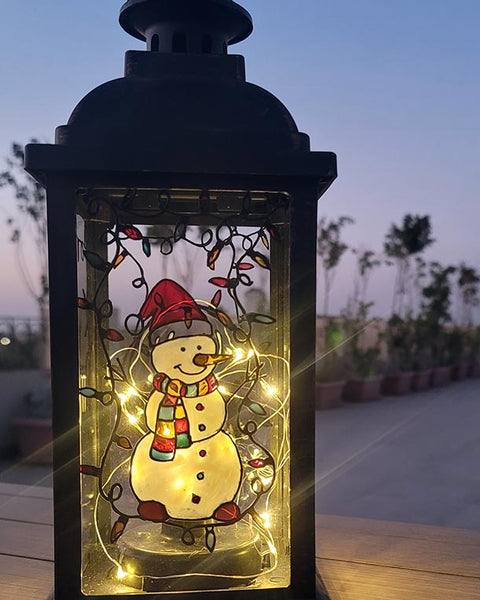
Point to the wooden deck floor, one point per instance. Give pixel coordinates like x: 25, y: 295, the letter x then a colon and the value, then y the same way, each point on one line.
x: 358, y: 559
x: 26, y: 542
x: 364, y: 559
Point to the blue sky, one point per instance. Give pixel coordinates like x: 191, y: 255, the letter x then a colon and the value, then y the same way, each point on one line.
x: 391, y: 86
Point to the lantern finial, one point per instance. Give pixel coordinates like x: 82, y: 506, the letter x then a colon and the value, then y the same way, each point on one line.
x: 186, y: 26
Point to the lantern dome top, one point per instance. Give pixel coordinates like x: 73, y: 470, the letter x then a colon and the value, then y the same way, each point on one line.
x: 186, y: 25
x: 183, y: 105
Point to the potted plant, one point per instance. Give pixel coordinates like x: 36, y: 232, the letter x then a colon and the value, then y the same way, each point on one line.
x: 363, y: 348
x: 421, y: 356
x: 473, y: 352
x: 466, y: 359
x: 436, y: 312
x: 330, y: 372
x: 457, y: 352
x: 34, y: 426
x: 363, y: 384
x: 399, y: 338
x: 402, y: 244
x: 329, y: 368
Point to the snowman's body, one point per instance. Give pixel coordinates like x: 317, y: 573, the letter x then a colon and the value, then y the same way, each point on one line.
x: 206, y: 474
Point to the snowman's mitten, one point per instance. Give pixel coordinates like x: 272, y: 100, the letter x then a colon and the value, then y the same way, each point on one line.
x: 152, y: 511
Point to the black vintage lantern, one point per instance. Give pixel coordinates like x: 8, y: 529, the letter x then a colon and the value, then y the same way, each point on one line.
x: 182, y: 235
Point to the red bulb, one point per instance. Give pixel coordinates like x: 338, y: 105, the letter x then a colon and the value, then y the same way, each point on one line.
x: 257, y: 463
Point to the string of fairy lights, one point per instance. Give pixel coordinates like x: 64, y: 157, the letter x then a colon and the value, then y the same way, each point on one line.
x: 249, y: 382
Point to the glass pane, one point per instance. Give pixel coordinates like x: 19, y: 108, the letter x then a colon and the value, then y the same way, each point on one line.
x: 184, y: 390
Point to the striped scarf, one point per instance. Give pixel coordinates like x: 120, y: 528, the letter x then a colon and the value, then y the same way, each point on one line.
x: 172, y: 430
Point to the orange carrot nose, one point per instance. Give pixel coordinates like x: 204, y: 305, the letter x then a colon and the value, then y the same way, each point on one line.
x: 203, y: 360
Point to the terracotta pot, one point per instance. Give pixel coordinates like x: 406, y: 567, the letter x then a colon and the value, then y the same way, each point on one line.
x: 440, y: 376
x: 328, y: 394
x: 459, y: 372
x: 362, y: 390
x: 397, y: 385
x: 34, y: 438
x: 473, y: 370
x: 421, y: 380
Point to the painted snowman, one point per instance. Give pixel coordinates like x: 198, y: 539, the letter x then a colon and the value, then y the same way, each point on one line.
x: 186, y: 467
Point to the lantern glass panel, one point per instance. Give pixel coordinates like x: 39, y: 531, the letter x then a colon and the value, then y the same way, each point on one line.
x: 184, y: 398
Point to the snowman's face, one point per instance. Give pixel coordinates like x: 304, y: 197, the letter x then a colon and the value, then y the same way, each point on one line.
x: 175, y: 358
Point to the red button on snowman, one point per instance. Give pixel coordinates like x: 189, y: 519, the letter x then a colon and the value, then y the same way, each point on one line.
x: 186, y: 467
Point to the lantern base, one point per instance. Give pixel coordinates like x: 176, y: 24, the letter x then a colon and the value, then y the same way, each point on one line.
x: 160, y: 561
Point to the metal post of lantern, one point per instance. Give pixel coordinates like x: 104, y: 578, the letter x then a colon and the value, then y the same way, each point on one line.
x: 182, y: 129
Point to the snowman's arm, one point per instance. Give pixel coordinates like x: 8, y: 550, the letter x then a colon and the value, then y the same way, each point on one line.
x: 151, y: 409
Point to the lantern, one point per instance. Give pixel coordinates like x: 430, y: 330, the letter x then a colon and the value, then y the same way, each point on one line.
x: 182, y: 233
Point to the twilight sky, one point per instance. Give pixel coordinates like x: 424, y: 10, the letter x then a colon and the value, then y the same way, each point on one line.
x: 391, y: 86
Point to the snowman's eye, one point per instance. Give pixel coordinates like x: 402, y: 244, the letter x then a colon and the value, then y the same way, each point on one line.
x: 182, y: 349
x: 199, y: 347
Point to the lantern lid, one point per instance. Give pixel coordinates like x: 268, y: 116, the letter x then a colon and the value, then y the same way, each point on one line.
x: 183, y: 106
x: 137, y: 17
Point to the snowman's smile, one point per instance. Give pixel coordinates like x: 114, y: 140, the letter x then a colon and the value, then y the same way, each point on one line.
x: 179, y: 367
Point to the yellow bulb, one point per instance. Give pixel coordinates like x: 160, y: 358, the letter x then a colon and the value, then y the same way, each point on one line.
x: 121, y: 574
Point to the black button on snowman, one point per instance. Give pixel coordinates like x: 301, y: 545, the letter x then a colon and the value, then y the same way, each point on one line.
x: 185, y: 467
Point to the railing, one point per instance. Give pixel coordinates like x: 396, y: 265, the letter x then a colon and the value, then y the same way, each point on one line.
x: 19, y: 328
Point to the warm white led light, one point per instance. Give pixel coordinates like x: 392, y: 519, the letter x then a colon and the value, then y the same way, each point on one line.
x: 266, y: 520
x: 121, y: 574
x: 271, y: 547
x: 270, y: 389
x: 239, y: 354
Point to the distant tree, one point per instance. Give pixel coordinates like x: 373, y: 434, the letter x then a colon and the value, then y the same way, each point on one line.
x: 330, y: 250
x: 367, y: 262
x: 403, y: 242
x: 468, y: 286
x: 29, y: 222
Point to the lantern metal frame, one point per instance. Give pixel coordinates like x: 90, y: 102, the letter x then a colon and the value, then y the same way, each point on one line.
x: 263, y: 156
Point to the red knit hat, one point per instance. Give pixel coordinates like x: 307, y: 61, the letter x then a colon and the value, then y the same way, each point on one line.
x: 168, y: 303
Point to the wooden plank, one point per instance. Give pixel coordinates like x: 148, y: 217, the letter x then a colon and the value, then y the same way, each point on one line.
x: 25, y: 508
x: 32, y: 491
x: 411, y: 530
x: 26, y: 540
x: 429, y: 550
x: 351, y: 581
x: 25, y: 579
